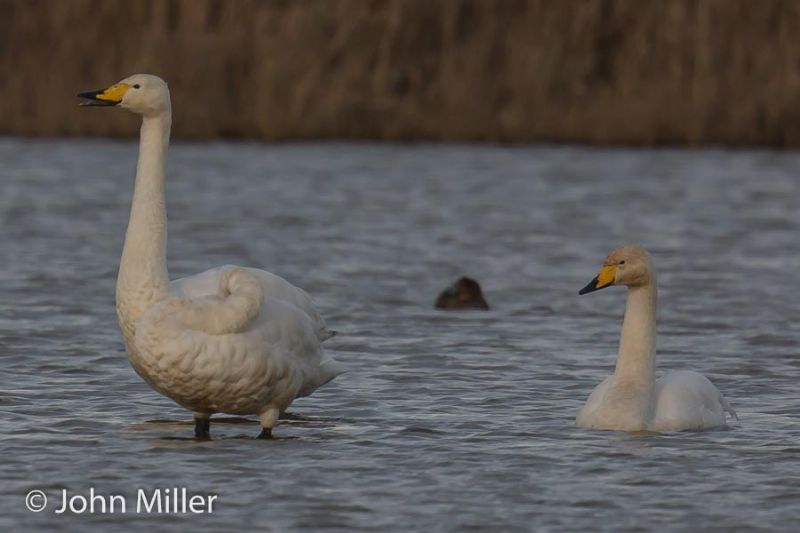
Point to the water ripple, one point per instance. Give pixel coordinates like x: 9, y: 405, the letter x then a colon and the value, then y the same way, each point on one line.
x: 445, y: 422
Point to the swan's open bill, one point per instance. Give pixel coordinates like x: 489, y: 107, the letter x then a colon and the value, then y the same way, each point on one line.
x: 632, y: 399
x: 228, y: 340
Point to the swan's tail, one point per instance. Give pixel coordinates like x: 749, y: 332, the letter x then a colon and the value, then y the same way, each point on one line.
x: 727, y: 407
x: 331, y: 368
x: 328, y: 369
x: 325, y: 334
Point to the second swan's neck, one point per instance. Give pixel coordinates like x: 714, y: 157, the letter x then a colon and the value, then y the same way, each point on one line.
x: 636, y: 360
x: 143, y: 278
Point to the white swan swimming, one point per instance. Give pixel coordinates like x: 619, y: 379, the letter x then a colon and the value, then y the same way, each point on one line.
x: 229, y: 340
x: 632, y: 399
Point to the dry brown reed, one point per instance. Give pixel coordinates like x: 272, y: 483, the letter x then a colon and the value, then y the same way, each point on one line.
x: 596, y: 71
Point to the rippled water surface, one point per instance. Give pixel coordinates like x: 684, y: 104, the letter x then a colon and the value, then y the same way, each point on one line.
x: 445, y: 421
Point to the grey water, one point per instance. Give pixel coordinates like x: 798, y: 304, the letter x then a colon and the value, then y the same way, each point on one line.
x: 446, y: 421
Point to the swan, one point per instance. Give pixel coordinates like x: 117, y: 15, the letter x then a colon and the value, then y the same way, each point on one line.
x: 631, y: 399
x: 230, y: 340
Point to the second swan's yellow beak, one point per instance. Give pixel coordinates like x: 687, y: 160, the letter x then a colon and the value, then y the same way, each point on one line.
x: 604, y: 279
x: 110, y: 96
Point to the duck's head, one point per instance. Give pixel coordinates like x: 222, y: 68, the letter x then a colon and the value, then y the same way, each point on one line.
x: 144, y: 94
x: 626, y: 265
x: 465, y: 293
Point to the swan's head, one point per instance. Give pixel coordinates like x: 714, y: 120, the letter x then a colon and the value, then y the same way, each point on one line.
x: 626, y: 265
x: 144, y: 94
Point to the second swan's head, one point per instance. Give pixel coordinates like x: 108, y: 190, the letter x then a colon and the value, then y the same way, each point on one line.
x: 144, y: 94
x: 626, y: 265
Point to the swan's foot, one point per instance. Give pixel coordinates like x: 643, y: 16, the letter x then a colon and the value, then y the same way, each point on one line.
x: 268, y: 419
x: 202, y: 426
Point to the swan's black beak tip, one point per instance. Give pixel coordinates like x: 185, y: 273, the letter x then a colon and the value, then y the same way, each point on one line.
x: 90, y: 99
x: 602, y: 280
x: 590, y: 287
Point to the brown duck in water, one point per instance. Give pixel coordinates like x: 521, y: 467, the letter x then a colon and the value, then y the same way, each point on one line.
x: 463, y: 294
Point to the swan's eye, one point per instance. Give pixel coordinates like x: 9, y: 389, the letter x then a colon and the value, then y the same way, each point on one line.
x: 622, y: 262
x: 136, y: 86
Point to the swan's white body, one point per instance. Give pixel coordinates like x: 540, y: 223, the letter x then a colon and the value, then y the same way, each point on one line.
x: 232, y: 340
x: 632, y: 399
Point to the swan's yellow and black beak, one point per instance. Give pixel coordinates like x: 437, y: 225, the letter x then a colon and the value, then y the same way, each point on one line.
x: 110, y: 96
x: 604, y: 279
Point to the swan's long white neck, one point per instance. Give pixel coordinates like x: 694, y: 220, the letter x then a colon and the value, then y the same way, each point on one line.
x: 143, y: 279
x: 636, y: 360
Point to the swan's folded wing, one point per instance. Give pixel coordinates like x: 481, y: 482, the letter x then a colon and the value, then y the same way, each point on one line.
x: 237, y: 302
x: 207, y: 284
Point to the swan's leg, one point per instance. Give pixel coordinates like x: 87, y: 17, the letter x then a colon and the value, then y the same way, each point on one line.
x: 202, y: 425
x: 268, y: 420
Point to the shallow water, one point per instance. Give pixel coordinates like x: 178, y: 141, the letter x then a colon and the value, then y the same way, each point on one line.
x: 445, y: 421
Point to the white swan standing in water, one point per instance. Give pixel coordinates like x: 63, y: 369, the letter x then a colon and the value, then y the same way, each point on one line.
x: 632, y: 399
x: 229, y: 340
